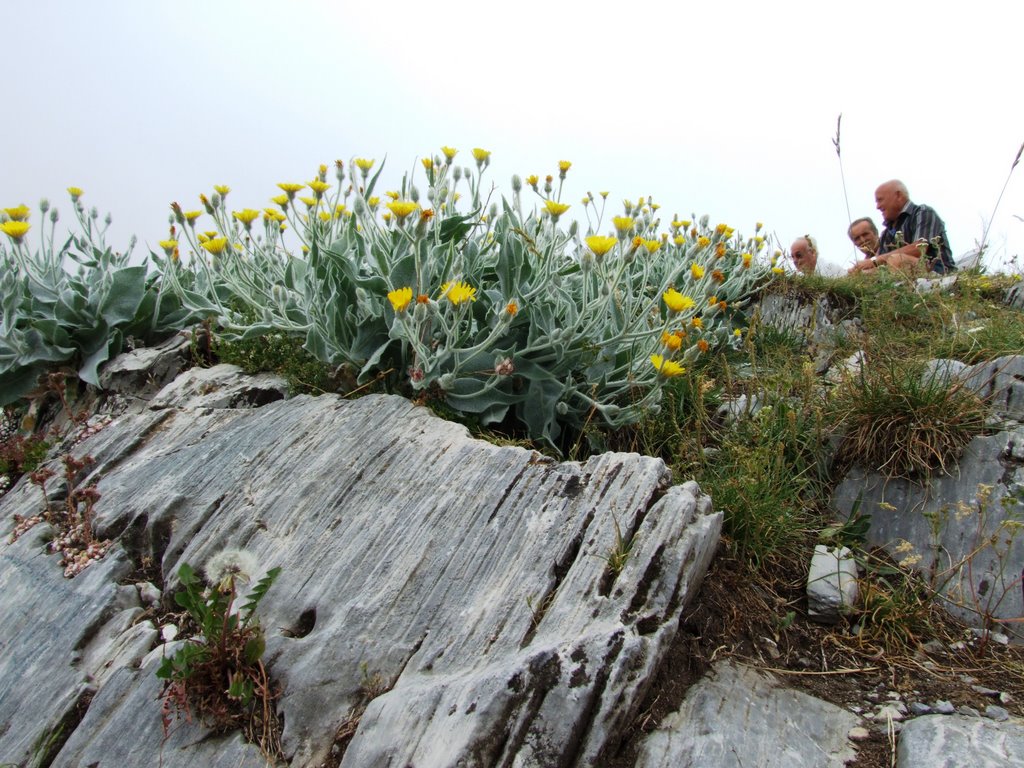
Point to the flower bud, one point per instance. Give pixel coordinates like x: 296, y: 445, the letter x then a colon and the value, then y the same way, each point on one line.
x: 54, y: 215
x: 574, y: 228
x: 107, y: 219
x: 517, y: 183
x: 457, y: 173
x: 561, y: 408
x: 44, y: 205
x: 94, y: 213
x: 414, y: 194
x: 447, y: 381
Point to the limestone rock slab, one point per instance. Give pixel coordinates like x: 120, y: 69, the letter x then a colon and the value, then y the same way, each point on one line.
x: 737, y: 717
x: 472, y: 578
x: 952, y: 741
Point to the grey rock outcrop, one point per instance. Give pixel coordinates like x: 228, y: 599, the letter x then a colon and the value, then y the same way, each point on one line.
x: 737, y: 717
x: 474, y: 579
x: 950, y: 741
x: 961, y: 528
x: 831, y: 583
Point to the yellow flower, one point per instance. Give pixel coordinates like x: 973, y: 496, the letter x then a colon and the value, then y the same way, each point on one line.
x: 600, y: 245
x: 324, y: 216
x: 15, y: 229
x: 402, y: 208
x: 778, y: 270
x: 75, y: 192
x: 221, y: 189
x: 481, y: 155
x: 747, y: 259
x: 364, y: 165
x: 21, y: 213
x: 720, y: 250
x: 400, y: 298
x: 738, y: 332
x: 564, y: 165
x: 290, y: 188
x: 676, y: 301
x: 671, y: 341
x: 458, y: 293
x: 386, y: 216
x: 712, y: 300
x: 511, y: 309
x: 247, y: 215
x: 216, y: 245
x: 373, y: 202
x: 622, y: 223
x: 273, y: 214
x: 427, y: 163
x: 758, y: 226
x: 703, y: 345
x: 309, y: 201
x: 555, y: 208
x: 168, y: 245
x: 532, y: 180
x: 449, y: 153
x: 718, y: 276
x: 703, y: 242
x: 667, y: 368
x: 652, y: 245
x: 685, y: 223
x: 723, y: 305
x: 393, y: 195
x: 697, y: 271
x: 281, y: 200
x: 678, y: 224
x: 637, y: 241
x: 679, y: 239
x: 318, y: 187
x: 696, y: 322
x: 191, y: 216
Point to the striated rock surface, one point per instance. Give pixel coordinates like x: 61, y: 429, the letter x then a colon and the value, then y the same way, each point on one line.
x: 941, y: 741
x: 472, y: 580
x: 737, y: 717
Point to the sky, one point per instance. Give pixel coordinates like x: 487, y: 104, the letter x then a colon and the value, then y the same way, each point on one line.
x: 727, y: 109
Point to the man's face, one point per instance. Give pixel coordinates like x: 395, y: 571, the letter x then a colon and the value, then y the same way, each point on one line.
x: 889, y: 201
x: 804, y: 258
x: 865, y: 238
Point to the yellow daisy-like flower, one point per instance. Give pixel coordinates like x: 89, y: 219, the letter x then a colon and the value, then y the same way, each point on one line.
x: 747, y: 259
x: 247, y: 215
x: 392, y: 194
x: 21, y: 213
x: 738, y: 332
x: 191, y: 216
x: 622, y: 223
x: 532, y: 180
x: 386, y: 216
x: 481, y: 155
x: 652, y: 245
x: 512, y: 309
x: 221, y: 189
x: 427, y: 163
x: 402, y: 208
x: 720, y: 250
x: 758, y: 226
x: 703, y: 242
x: 564, y: 165
x: 637, y: 241
x: 671, y: 341
x: 318, y: 187
x: 400, y: 298
x: 75, y: 192
x: 458, y: 293
x: 679, y: 239
x: 676, y: 301
x: 373, y: 202
x: 667, y: 368
x: 600, y: 245
x: 449, y: 153
x: 697, y: 271
x: 555, y: 208
x: 778, y: 270
x: 168, y: 245
x: 712, y: 300
x: 696, y: 322
x: 678, y: 224
x: 281, y: 200
x: 216, y: 245
x: 273, y: 214
x: 703, y: 345
x: 290, y: 188
x: 685, y: 223
x: 15, y: 229
x: 324, y: 216
x: 364, y: 165
x: 310, y: 202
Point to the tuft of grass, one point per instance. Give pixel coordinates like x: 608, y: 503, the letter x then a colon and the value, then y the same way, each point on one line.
x: 903, y: 422
x: 284, y: 355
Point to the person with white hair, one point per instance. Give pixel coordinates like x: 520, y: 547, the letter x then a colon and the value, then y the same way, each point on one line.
x: 914, y: 238
x: 804, y: 253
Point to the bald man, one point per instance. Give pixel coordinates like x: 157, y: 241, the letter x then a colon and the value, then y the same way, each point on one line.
x: 914, y: 238
x: 804, y: 253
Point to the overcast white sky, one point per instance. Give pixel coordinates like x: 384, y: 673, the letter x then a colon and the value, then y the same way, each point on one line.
x: 728, y: 108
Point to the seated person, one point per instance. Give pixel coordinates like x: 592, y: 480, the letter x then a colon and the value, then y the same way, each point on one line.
x: 914, y: 238
x: 864, y: 234
x: 804, y: 252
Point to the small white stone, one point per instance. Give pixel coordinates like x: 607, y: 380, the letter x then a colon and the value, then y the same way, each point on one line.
x: 168, y: 632
x: 858, y: 733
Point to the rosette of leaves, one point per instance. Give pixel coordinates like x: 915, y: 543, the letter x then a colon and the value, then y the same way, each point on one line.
x: 74, y: 305
x: 218, y: 673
